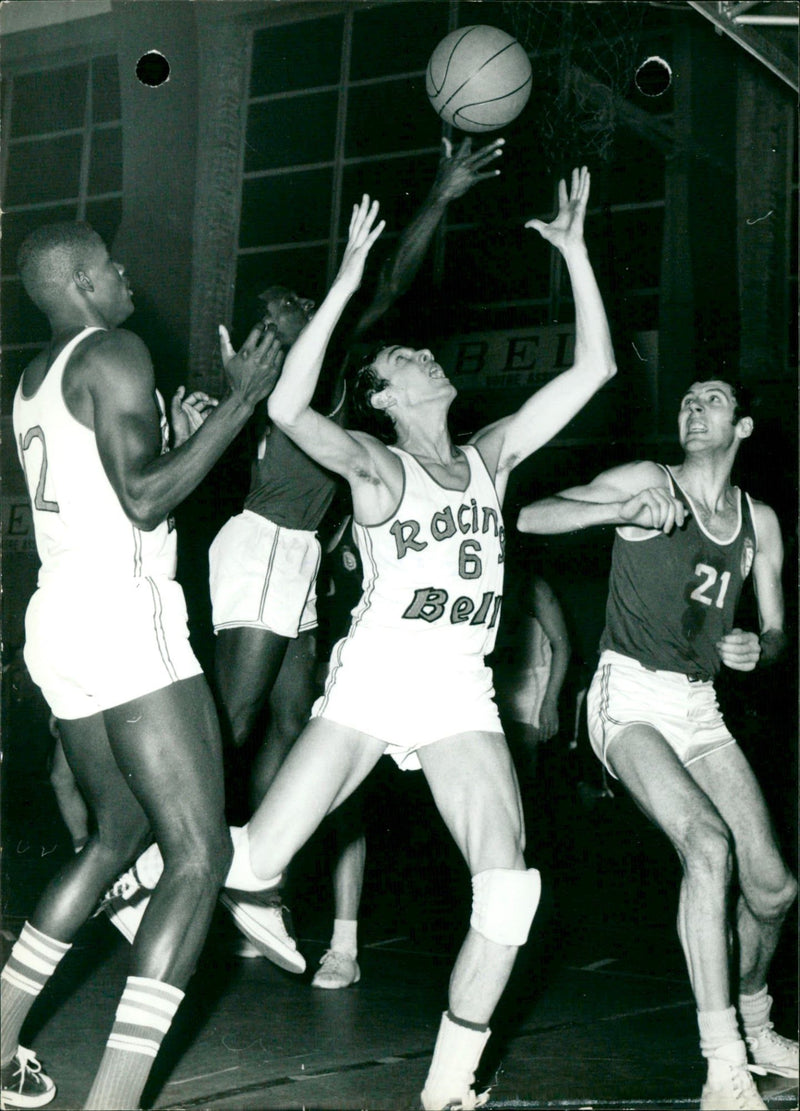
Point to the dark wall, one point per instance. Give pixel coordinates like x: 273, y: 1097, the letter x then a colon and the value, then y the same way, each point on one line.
x: 159, y: 171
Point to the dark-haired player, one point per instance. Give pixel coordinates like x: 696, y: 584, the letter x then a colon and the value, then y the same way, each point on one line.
x: 409, y: 679
x: 685, y: 541
x: 263, y: 570
x: 106, y: 639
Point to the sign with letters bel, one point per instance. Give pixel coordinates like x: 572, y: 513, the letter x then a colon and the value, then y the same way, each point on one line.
x: 515, y: 359
x: 17, y: 530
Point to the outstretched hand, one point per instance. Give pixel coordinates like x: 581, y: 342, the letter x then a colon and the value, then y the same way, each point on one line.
x: 187, y: 413
x: 362, y: 234
x: 253, y: 370
x: 567, y: 228
x: 458, y: 172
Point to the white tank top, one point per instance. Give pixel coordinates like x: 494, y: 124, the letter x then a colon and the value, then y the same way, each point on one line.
x: 81, y: 529
x: 433, y: 572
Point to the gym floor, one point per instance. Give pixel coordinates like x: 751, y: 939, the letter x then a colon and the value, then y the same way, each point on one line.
x: 598, y: 1012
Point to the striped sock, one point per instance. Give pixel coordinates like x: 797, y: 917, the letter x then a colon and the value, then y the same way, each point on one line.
x: 143, y: 1017
x: 34, y: 958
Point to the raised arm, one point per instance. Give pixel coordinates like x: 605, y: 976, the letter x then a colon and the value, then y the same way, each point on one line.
x: 635, y: 494
x: 351, y: 454
x: 125, y: 418
x: 456, y: 174
x: 507, y: 442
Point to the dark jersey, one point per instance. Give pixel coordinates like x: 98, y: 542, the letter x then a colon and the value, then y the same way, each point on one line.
x: 672, y: 597
x: 286, y: 485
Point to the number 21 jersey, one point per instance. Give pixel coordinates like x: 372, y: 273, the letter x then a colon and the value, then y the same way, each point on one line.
x: 673, y: 596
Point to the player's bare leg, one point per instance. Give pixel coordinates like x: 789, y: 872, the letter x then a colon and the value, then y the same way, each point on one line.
x: 290, y: 700
x: 339, y: 966
x: 666, y: 792
x: 767, y: 891
x: 323, y: 768
x: 256, y: 666
x: 127, y: 763
x: 475, y: 790
x: 246, y: 664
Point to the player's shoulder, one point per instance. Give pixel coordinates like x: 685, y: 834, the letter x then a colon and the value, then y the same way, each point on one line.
x: 765, y: 518
x: 115, y: 351
x: 111, y: 342
x: 633, y: 477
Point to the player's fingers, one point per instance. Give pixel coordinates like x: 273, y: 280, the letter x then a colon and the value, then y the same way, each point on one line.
x: 668, y: 522
x: 364, y: 216
x: 575, y: 182
x: 562, y: 194
x: 666, y: 510
x: 537, y: 225
x: 583, y: 186
x: 225, y: 342
x: 465, y: 148
x: 376, y: 231
x: 373, y: 212
x: 270, y: 344
x: 487, y: 154
x: 363, y: 229
x: 447, y: 148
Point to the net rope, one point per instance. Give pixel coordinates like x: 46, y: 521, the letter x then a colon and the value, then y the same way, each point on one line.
x: 583, y: 57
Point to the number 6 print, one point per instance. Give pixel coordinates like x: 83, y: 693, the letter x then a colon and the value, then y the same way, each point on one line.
x: 40, y: 502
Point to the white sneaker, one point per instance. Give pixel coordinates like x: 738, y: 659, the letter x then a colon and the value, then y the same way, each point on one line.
x: 773, y: 1052
x: 267, y: 926
x: 336, y: 970
x: 245, y: 950
x: 730, y: 1087
x: 467, y: 1102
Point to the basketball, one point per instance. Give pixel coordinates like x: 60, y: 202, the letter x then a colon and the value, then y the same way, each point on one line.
x: 478, y: 78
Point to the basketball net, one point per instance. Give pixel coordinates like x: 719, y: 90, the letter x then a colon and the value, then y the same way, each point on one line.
x: 584, y: 58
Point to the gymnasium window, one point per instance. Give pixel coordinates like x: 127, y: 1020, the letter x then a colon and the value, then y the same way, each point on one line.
x: 64, y: 119
x: 337, y: 107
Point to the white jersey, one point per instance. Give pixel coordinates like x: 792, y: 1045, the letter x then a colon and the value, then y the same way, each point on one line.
x: 433, y: 572
x: 80, y: 527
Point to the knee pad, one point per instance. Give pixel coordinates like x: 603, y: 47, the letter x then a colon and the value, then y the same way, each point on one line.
x: 504, y: 902
x: 241, y: 876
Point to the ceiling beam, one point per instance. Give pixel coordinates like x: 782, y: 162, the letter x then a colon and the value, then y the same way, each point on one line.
x: 751, y: 41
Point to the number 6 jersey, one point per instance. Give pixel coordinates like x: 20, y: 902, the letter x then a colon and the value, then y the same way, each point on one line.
x: 81, y: 529
x: 673, y: 596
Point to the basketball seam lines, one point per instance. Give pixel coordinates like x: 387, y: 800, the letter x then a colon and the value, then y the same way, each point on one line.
x: 474, y: 73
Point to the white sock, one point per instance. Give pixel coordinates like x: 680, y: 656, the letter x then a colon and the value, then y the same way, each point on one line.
x: 241, y: 876
x: 456, y: 1055
x: 718, y: 1030
x: 345, y: 936
x: 754, y: 1010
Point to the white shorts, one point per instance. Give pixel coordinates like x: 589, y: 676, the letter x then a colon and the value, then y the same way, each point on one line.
x: 92, y: 646
x: 685, y: 711
x: 263, y: 576
x: 404, y: 697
